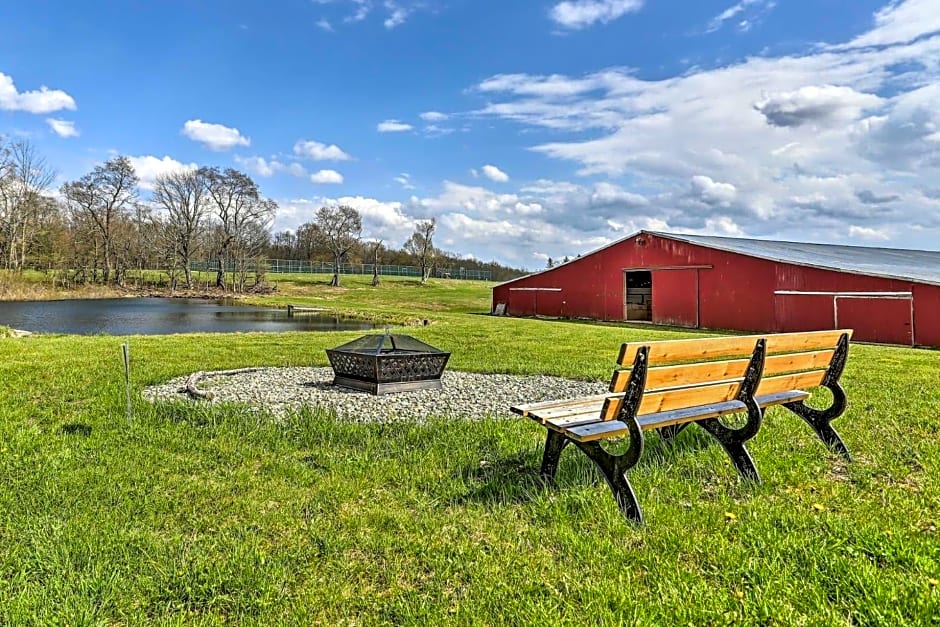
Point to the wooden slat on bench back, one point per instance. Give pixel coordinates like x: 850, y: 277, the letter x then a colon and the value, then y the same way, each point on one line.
x: 675, y: 399
x: 771, y: 385
x: 712, y: 371
x: 671, y: 351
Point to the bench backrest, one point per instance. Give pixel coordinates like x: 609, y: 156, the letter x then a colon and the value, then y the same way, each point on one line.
x: 688, y: 373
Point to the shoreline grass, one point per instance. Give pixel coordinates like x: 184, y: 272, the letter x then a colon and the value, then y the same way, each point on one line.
x: 208, y: 514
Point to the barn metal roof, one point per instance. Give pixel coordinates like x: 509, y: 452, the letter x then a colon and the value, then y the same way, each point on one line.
x: 921, y: 266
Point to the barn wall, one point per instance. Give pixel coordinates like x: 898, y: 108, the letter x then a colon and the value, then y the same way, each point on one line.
x: 927, y: 314
x: 724, y: 290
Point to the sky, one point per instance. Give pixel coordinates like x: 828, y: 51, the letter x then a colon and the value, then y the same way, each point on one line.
x: 529, y: 129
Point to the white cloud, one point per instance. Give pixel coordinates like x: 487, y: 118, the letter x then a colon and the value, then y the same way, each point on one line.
x: 269, y: 167
x: 610, y: 195
x: 320, y: 152
x: 901, y: 21
x: 296, y: 169
x: 380, y: 217
x: 149, y: 167
x: 474, y: 229
x: 43, y: 100
x: 62, y: 128
x: 433, y: 130
x: 815, y: 104
x: 433, y: 116
x: 404, y: 179
x: 393, y: 126
x: 326, y: 177
x: 363, y: 8
x: 495, y: 174
x: 731, y: 12
x: 214, y: 136
x: 396, y: 12
x: 863, y: 232
x: 712, y: 192
x: 380, y: 220
x: 397, y: 15
x: 258, y: 165
x: 577, y: 14
x: 721, y: 225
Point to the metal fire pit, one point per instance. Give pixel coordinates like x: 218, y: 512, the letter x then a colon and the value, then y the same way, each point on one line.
x: 387, y: 363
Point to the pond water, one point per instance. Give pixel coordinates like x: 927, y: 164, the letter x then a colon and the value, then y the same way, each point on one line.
x: 160, y: 316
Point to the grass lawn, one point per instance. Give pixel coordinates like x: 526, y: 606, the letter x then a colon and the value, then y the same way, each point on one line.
x: 220, y: 515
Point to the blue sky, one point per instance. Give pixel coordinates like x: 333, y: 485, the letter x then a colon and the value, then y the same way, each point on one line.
x: 529, y: 129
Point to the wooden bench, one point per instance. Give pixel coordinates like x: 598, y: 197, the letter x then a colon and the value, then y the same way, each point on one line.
x: 667, y: 385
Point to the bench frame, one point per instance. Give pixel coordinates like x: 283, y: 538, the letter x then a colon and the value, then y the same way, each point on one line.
x: 819, y: 419
x: 615, y: 466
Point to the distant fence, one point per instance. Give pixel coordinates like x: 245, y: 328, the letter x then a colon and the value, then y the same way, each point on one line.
x: 294, y: 266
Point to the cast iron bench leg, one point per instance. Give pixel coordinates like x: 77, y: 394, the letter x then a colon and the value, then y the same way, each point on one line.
x: 820, y: 420
x: 614, y: 468
x: 731, y: 441
x: 554, y: 444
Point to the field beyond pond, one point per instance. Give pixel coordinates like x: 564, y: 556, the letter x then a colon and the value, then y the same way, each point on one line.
x: 209, y: 514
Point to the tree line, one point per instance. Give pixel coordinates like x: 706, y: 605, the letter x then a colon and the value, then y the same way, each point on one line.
x: 103, y: 228
x: 338, y: 230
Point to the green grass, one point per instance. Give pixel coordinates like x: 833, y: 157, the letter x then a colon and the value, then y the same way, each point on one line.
x: 220, y: 515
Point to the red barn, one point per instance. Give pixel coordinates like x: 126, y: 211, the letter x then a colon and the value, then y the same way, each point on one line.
x: 886, y: 295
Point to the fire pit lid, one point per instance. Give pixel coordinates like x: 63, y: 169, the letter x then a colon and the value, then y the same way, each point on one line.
x: 386, y: 342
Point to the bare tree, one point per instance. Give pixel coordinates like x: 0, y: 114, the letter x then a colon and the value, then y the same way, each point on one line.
x: 308, y: 238
x: 339, y: 229
x: 240, y: 211
x: 7, y: 198
x: 105, y: 196
x: 24, y: 177
x: 184, y: 196
x: 421, y: 245
x: 252, y: 237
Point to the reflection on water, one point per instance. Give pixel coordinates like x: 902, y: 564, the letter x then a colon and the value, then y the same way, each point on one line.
x: 160, y: 316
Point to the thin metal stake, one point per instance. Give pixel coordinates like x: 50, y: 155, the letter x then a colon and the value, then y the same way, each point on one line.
x: 127, y: 382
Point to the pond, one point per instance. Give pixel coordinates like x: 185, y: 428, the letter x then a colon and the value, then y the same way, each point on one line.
x: 161, y: 316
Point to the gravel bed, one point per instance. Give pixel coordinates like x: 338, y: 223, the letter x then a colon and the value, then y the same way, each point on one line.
x: 464, y: 395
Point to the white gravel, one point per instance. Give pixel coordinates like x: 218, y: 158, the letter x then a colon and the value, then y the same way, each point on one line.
x: 464, y: 395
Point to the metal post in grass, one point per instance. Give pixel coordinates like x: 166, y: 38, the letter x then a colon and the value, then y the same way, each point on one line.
x: 125, y: 349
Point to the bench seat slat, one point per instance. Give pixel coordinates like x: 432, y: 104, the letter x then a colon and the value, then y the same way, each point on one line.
x: 598, y: 431
x: 779, y: 398
x: 690, y: 414
x: 527, y: 408
x: 590, y: 405
x: 567, y: 422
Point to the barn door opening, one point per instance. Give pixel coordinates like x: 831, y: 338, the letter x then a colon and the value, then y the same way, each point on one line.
x: 638, y: 295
